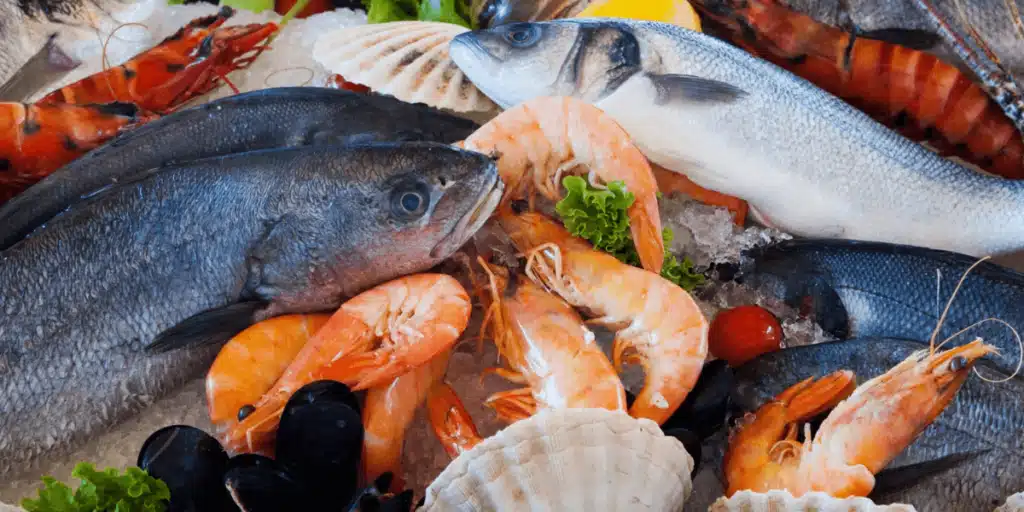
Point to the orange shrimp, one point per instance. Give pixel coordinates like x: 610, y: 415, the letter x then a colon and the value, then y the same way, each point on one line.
x: 389, y: 411
x: 541, y: 140
x: 189, y: 63
x: 548, y: 348
x: 861, y: 435
x: 450, y: 421
x: 35, y: 140
x: 909, y: 90
x: 658, y: 324
x: 250, y: 363
x: 373, y: 338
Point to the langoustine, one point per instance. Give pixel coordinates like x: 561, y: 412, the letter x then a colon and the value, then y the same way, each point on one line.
x: 381, y: 334
x: 539, y: 141
x: 657, y: 323
x: 868, y: 427
x: 547, y: 348
x: 910, y: 90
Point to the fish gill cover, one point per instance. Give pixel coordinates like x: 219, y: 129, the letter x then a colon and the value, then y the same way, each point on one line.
x: 599, y: 216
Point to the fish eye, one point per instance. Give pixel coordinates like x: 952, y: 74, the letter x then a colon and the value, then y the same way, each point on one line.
x: 410, y: 201
x: 522, y: 34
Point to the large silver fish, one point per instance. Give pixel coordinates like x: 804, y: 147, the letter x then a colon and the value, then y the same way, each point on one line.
x: 190, y: 255
x: 807, y: 162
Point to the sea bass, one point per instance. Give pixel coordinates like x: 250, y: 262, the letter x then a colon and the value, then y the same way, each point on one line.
x: 192, y: 254
x: 969, y: 459
x: 807, y: 162
x: 235, y: 124
x: 864, y: 289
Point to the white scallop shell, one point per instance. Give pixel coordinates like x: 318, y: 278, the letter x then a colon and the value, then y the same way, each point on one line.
x: 566, y: 460
x: 782, y: 501
x: 1014, y: 503
x: 405, y: 59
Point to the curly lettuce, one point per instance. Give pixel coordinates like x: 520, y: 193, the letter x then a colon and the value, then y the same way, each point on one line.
x: 102, y: 491
x: 445, y: 11
x: 599, y: 216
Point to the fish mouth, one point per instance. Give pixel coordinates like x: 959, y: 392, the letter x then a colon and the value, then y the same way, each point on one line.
x: 471, y: 222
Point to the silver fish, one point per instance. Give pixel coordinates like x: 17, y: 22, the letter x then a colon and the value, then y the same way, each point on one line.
x: 192, y: 254
x: 492, y: 13
x: 807, y: 162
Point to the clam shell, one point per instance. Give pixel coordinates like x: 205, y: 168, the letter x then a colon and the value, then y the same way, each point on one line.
x: 782, y: 501
x: 573, y: 459
x: 405, y: 59
x: 1014, y: 503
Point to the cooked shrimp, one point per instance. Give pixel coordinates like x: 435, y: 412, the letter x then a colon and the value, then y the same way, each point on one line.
x: 250, y: 364
x: 548, y: 348
x: 541, y: 140
x: 658, y: 324
x: 389, y: 411
x: 376, y: 336
x: 450, y: 421
x: 858, y: 438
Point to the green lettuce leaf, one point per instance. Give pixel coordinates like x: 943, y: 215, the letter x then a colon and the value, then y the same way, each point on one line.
x: 445, y: 11
x: 249, y: 5
x: 599, y: 216
x: 102, y: 491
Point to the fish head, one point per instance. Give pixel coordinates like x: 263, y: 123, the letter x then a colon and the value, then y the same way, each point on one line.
x: 586, y: 59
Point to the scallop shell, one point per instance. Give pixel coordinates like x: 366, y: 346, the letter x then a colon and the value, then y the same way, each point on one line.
x: 782, y: 501
x: 573, y: 459
x: 1014, y: 503
x: 406, y: 59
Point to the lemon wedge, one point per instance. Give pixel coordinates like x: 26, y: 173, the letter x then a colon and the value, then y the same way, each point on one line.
x: 676, y: 12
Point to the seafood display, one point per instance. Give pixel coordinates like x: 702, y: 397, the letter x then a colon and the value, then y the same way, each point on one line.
x: 470, y: 255
x: 237, y: 252
x: 711, y: 122
x: 306, y: 116
x: 963, y: 460
x: 860, y: 289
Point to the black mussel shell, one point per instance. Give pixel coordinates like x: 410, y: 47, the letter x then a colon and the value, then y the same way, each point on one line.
x: 191, y: 463
x: 320, y: 441
x: 259, y: 484
x: 355, y: 5
x: 705, y: 409
x: 375, y: 497
x: 691, y: 442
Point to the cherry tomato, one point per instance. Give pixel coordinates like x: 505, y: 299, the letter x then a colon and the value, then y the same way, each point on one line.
x: 314, y: 7
x: 743, y: 333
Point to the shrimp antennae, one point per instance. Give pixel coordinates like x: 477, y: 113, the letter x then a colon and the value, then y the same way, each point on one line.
x: 106, y: 60
x: 1020, y: 344
x: 312, y: 74
x: 949, y: 303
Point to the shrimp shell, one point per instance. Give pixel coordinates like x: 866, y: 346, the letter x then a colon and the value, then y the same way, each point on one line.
x: 406, y: 59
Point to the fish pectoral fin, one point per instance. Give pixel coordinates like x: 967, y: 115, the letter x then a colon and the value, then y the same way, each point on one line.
x: 693, y: 89
x: 914, y: 39
x: 211, y: 327
x: 901, y: 478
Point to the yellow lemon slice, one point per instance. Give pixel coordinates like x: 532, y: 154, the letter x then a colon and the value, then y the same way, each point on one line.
x: 676, y: 12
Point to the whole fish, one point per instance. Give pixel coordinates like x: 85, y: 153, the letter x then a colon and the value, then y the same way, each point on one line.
x: 301, y: 116
x: 190, y: 255
x: 865, y: 289
x: 806, y: 162
x: 969, y: 459
x: 492, y: 13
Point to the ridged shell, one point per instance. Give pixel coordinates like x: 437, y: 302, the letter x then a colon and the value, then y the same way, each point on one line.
x: 1014, y: 503
x: 405, y: 59
x: 575, y: 459
x: 782, y: 501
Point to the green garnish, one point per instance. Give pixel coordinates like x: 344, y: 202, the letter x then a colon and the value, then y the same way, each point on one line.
x: 599, y: 216
x: 446, y: 11
x: 249, y: 5
x: 102, y: 491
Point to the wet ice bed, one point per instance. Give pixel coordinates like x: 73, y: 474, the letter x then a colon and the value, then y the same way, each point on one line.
x: 703, y: 233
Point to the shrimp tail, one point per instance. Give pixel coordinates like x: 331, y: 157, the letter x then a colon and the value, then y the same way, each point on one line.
x: 364, y: 371
x: 811, y: 397
x: 450, y: 421
x: 513, y: 405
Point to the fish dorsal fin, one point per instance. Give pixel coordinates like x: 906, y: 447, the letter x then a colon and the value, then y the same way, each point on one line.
x: 672, y: 88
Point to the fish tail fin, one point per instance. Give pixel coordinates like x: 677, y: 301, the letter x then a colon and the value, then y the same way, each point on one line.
x: 211, y: 327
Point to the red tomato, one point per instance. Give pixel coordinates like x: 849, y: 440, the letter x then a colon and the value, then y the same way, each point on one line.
x: 313, y: 7
x: 743, y: 333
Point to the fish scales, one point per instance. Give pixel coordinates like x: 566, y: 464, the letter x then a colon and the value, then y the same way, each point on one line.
x: 984, y: 417
x: 236, y: 124
x: 807, y: 162
x: 293, y: 230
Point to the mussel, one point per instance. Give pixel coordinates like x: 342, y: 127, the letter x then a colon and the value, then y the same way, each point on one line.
x: 320, y: 440
x: 705, y: 409
x: 191, y: 463
x: 691, y: 442
x: 260, y: 484
x: 375, y: 498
